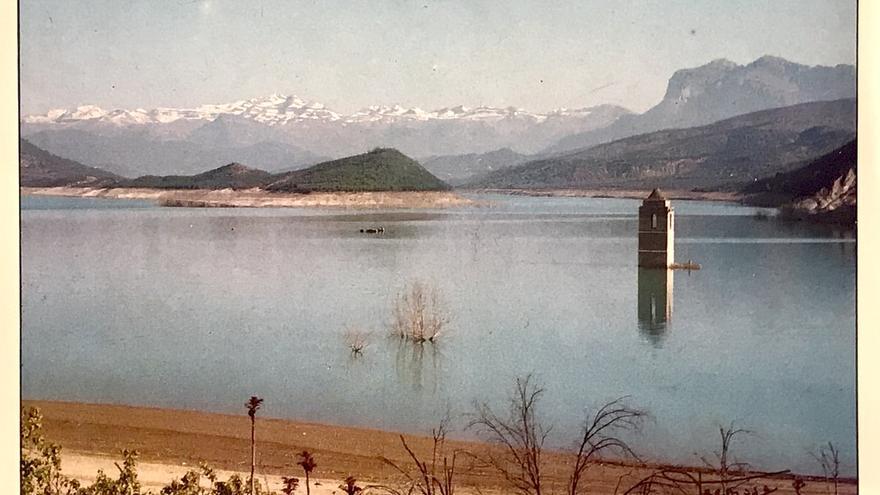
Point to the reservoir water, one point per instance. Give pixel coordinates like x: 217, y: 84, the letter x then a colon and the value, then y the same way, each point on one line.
x: 127, y: 302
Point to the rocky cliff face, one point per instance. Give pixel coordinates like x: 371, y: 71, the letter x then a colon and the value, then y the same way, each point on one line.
x: 822, y: 190
x: 836, y: 203
x: 722, y: 89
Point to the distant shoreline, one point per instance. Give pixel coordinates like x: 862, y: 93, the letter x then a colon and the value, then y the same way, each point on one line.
x: 677, y: 194
x: 258, y: 198
x: 185, y: 437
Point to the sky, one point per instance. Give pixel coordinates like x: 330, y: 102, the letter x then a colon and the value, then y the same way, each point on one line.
x: 430, y: 54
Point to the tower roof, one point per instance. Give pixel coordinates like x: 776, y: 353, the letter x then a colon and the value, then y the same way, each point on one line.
x: 656, y: 194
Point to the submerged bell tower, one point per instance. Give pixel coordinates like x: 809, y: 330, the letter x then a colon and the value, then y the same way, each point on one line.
x: 656, y: 232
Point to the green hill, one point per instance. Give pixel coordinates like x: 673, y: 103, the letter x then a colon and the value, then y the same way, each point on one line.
x: 234, y: 176
x: 39, y: 168
x: 722, y: 155
x: 379, y: 170
x: 383, y: 169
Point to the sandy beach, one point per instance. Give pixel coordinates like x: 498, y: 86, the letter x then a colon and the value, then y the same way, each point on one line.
x: 257, y: 198
x: 172, y: 441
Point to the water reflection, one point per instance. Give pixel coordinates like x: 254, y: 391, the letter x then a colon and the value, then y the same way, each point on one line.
x: 417, y: 364
x: 106, y: 294
x: 655, y: 303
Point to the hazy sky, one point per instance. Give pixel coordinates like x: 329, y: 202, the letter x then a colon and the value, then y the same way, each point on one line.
x: 347, y: 55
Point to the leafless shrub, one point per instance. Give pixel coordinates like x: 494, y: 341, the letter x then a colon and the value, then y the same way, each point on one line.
x: 724, y: 466
x: 435, y: 476
x: 600, y: 436
x: 522, y: 436
x: 829, y: 458
x: 418, y: 313
x: 357, y: 340
x: 727, y: 476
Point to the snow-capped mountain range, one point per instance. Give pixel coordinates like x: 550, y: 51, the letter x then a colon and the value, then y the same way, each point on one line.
x: 281, y: 132
x: 279, y: 109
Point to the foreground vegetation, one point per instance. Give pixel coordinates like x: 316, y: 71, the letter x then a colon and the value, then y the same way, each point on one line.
x: 515, y: 454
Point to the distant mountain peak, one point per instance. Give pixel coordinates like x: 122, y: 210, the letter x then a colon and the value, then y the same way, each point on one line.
x: 282, y: 109
x: 275, y: 109
x: 768, y: 77
x: 722, y: 89
x: 771, y: 60
x: 236, y: 168
x: 721, y: 62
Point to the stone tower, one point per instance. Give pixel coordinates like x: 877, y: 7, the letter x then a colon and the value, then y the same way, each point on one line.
x: 656, y: 232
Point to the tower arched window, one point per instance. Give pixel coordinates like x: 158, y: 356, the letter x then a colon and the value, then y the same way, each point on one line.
x: 654, y: 221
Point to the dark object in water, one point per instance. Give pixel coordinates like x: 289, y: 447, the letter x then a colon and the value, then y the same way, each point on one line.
x: 690, y: 265
x: 377, y: 230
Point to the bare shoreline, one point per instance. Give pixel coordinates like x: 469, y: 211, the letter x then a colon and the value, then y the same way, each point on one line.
x: 677, y: 194
x: 180, y: 439
x: 258, y: 198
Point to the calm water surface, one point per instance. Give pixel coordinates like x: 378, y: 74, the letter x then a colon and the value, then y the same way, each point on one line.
x: 126, y: 302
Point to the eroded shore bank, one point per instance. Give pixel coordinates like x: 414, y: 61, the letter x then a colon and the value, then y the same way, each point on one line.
x: 257, y: 198
x: 618, y: 193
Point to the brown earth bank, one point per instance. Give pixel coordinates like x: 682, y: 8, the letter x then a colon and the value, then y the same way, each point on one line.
x: 171, y: 441
x: 619, y: 193
x: 258, y: 198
